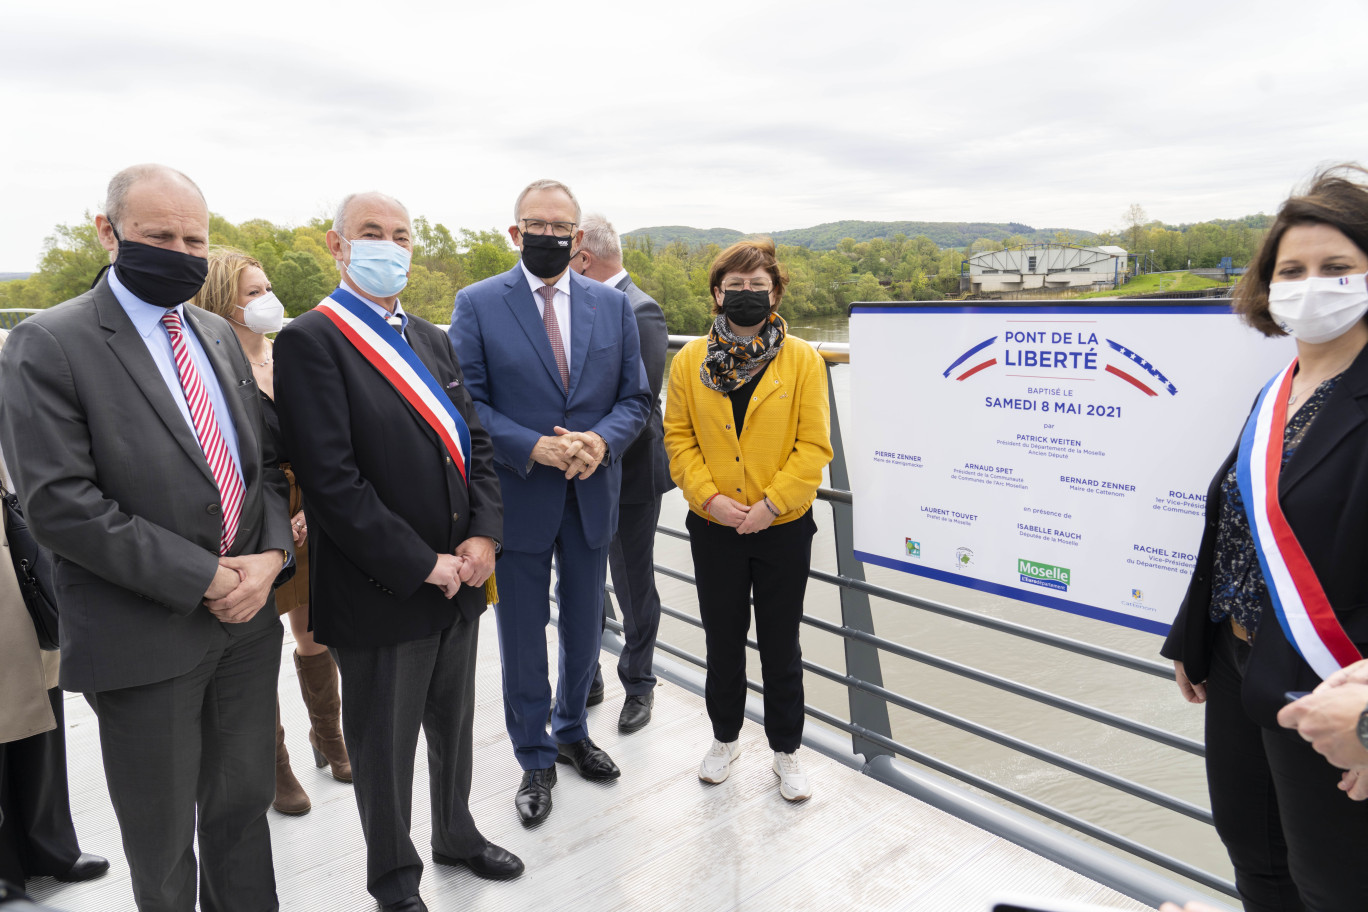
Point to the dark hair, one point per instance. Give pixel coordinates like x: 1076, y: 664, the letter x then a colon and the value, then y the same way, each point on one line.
x: 748, y: 256
x: 1337, y: 197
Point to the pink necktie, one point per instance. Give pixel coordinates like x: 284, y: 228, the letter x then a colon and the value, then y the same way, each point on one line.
x: 553, y: 333
x: 207, y: 430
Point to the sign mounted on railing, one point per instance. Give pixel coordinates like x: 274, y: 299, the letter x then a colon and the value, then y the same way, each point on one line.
x: 1058, y: 454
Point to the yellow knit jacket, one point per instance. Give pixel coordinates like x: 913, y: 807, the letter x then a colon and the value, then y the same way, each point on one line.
x: 785, y: 441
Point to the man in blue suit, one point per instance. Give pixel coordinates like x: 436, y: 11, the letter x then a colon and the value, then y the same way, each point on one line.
x: 553, y: 363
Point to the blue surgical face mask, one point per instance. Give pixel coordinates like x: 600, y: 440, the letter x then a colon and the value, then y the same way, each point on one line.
x: 379, y: 268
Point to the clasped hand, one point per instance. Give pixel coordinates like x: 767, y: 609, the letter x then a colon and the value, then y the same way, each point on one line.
x: 576, y: 453
x: 744, y: 519
x: 471, y: 565
x: 241, y: 585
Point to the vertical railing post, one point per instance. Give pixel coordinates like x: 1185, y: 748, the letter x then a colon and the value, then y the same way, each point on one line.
x: 862, y: 659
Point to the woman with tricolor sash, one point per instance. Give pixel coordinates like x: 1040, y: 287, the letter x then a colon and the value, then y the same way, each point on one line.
x: 1278, y: 600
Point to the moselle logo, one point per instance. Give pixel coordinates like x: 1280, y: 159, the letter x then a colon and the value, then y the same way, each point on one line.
x: 1079, y: 353
x: 964, y: 558
x: 1137, y: 595
x: 1047, y: 575
x: 913, y: 548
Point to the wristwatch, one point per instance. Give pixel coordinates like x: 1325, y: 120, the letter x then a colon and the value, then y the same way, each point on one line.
x: 1363, y: 729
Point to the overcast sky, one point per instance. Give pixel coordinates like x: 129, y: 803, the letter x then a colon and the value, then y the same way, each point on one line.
x: 711, y: 113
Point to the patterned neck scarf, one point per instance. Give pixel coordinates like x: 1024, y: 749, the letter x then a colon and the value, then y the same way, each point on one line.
x: 732, y: 360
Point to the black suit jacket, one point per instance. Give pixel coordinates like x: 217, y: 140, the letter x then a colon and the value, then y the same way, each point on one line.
x: 115, y: 483
x: 645, y: 468
x: 1323, y: 491
x: 382, y: 495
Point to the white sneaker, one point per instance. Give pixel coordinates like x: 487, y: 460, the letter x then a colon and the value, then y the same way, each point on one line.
x: 716, y: 763
x: 793, y: 782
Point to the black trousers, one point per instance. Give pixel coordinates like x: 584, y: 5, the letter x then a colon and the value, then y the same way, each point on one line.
x: 730, y: 569
x: 193, y: 757
x: 36, y: 835
x: 388, y: 693
x: 631, y: 560
x: 1297, y: 842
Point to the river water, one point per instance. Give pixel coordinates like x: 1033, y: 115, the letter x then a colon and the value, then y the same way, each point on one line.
x: 1135, y: 695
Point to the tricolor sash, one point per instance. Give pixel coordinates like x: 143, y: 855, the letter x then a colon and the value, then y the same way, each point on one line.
x: 1303, y: 611
x: 388, y: 353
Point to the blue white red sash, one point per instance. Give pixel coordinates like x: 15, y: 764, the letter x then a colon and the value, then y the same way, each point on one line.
x: 389, y: 354
x: 1303, y: 611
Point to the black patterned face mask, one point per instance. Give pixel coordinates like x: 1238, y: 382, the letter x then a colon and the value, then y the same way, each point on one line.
x: 157, y: 275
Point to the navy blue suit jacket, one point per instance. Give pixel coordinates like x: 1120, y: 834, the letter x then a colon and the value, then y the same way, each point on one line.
x: 511, y: 374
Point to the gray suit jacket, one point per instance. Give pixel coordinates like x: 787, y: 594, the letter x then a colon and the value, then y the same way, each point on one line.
x: 113, y: 480
x: 645, y: 469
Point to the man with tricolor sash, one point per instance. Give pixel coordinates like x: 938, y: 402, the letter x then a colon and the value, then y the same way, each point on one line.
x: 405, y: 520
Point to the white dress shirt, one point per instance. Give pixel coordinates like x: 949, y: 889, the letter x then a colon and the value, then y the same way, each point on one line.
x: 147, y: 320
x: 561, y: 302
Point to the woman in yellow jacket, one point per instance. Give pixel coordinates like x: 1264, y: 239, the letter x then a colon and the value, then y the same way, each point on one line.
x: 748, y: 432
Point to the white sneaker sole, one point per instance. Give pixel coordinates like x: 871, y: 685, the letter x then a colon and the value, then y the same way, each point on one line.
x: 719, y: 778
x: 783, y: 790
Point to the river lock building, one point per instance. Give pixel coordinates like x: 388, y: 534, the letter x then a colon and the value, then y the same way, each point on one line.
x: 1044, y: 267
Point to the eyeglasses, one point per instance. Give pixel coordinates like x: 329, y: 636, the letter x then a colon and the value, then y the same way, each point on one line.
x: 743, y: 284
x: 556, y: 229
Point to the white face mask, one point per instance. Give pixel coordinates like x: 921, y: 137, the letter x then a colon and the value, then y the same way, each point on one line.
x: 1320, y: 308
x: 264, y: 314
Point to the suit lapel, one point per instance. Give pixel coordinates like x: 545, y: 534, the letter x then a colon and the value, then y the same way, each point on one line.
x: 583, y: 310
x: 128, y: 346
x: 519, y: 299
x: 1344, y: 410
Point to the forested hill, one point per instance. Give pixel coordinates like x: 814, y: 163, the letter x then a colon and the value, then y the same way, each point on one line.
x: 828, y: 235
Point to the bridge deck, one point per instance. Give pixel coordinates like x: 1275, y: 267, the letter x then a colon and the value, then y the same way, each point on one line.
x: 657, y: 839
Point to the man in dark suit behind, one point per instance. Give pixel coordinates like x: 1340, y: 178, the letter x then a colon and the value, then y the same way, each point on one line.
x: 645, y: 478
x: 554, y: 366
x: 403, y: 534
x: 132, y: 427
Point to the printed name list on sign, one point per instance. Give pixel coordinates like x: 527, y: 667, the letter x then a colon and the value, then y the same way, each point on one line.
x: 1056, y: 454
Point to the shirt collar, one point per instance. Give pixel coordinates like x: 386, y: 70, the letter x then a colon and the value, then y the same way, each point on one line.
x: 147, y: 318
x: 612, y: 282
x: 380, y: 310
x: 562, y: 284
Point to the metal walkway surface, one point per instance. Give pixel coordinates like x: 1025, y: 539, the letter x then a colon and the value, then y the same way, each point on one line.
x: 657, y: 839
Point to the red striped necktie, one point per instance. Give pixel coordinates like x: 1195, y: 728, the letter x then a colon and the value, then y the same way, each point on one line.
x: 553, y: 334
x: 211, y: 440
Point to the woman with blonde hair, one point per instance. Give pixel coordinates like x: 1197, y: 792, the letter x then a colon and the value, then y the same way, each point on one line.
x: 748, y: 432
x: 237, y: 290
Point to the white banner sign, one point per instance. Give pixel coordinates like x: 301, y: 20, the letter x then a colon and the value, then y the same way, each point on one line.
x: 1055, y: 454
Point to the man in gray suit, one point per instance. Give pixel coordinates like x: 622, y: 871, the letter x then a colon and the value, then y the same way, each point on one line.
x: 645, y: 478
x: 132, y: 427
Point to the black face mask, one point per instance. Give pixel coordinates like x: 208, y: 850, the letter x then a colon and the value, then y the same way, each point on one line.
x: 746, y: 308
x: 160, y: 276
x: 546, y: 256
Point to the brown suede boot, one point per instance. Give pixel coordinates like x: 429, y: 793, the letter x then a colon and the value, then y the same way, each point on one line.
x: 289, y: 794
x: 318, y: 684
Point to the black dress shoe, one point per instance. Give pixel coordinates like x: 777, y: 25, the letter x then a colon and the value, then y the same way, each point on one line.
x: 413, y: 904
x: 596, y: 689
x: 534, y: 795
x: 591, y: 760
x: 636, y: 712
x: 493, y: 863
x: 87, y: 867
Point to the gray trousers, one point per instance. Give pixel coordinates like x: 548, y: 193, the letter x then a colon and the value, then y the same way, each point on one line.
x: 202, y: 742
x: 388, y: 693
x: 631, y: 560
